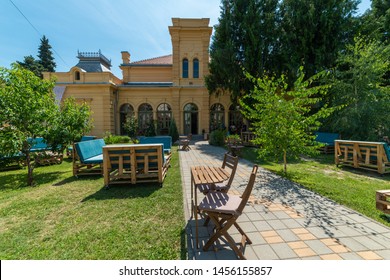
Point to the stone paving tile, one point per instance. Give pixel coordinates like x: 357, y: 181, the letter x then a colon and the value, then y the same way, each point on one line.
x: 369, y: 255
x: 331, y: 257
x: 291, y: 223
x: 368, y: 242
x: 350, y: 256
x: 352, y: 244
x: 262, y: 225
x: 255, y: 216
x: 287, y: 235
x: 256, y: 238
x: 283, y: 251
x: 277, y: 224
x: 385, y: 254
x: 265, y: 252
x: 318, y: 247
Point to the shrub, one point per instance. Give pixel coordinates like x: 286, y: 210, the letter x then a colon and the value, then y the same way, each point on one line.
x: 173, y: 132
x: 115, y: 139
x: 217, y: 137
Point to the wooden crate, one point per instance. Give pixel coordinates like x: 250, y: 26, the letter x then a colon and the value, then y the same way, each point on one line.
x: 383, y: 201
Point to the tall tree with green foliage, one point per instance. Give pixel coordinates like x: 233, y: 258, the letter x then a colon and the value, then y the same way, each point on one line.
x: 27, y: 109
x: 45, y: 55
x: 244, y: 38
x: 281, y: 116
x: 359, y: 87
x: 45, y: 61
x: 314, y: 31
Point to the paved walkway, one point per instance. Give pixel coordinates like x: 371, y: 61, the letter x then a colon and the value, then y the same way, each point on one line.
x: 284, y: 220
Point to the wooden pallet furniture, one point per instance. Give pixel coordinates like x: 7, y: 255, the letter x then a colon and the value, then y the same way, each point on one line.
x: 383, y: 201
x: 134, y: 163
x: 88, y: 157
x: 162, y: 139
x: 327, y: 140
x: 373, y: 156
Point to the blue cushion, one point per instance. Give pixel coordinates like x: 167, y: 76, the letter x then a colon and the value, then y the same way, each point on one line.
x: 326, y: 138
x: 38, y: 144
x: 87, y: 138
x: 95, y: 159
x: 89, y: 149
x: 165, y: 140
x: 387, y: 150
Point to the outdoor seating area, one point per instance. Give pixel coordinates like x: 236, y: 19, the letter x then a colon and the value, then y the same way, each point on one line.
x: 372, y: 156
x: 134, y: 163
x: 184, y: 142
x: 165, y: 140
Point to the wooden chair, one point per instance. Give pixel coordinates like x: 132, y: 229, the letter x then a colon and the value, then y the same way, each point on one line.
x: 184, y: 142
x: 223, y: 210
x: 230, y: 162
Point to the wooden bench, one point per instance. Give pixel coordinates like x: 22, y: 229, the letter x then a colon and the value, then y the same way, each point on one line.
x: 372, y: 156
x: 383, y: 201
x: 134, y: 163
x: 88, y: 157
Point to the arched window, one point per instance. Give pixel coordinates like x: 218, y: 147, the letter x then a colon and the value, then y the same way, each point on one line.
x: 164, y: 115
x: 185, y: 68
x: 195, y: 66
x: 126, y: 110
x: 217, y: 116
x: 190, y: 119
x: 77, y: 76
x: 235, y: 119
x: 145, y: 117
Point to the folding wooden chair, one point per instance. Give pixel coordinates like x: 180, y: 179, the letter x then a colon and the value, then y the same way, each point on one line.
x: 229, y: 161
x: 184, y: 142
x: 223, y: 210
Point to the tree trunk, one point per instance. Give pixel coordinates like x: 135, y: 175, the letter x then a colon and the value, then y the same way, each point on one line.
x: 30, y: 168
x: 285, y: 162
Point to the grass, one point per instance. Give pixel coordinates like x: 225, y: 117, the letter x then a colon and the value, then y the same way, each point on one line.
x: 63, y: 217
x: 347, y: 186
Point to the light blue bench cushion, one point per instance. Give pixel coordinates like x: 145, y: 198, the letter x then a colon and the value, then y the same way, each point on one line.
x: 326, y: 138
x: 38, y: 144
x: 165, y: 140
x: 90, y: 150
x: 387, y: 150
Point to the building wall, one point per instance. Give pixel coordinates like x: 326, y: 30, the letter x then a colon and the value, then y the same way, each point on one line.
x: 106, y: 93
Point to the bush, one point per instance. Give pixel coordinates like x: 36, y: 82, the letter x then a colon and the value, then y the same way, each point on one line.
x: 217, y: 137
x: 173, y: 132
x: 116, y: 139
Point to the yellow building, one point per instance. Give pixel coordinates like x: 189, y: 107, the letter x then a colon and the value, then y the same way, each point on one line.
x: 157, y: 89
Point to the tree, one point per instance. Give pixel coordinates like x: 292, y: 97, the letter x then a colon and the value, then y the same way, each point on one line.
x: 72, y: 121
x: 27, y: 108
x: 131, y: 126
x: 313, y: 32
x: 173, y: 132
x: 244, y: 37
x: 359, y: 86
x: 45, y: 55
x: 30, y: 63
x: 281, y: 117
x: 45, y: 61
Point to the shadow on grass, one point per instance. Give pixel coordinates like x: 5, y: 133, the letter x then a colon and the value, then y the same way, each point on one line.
x: 19, y: 180
x: 124, y: 191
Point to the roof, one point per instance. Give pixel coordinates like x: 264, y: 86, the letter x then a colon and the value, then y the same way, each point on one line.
x: 161, y: 60
x: 93, y: 62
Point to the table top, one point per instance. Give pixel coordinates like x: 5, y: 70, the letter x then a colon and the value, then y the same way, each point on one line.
x: 208, y: 174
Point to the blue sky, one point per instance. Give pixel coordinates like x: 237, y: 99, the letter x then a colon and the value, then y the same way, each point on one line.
x: 140, y: 27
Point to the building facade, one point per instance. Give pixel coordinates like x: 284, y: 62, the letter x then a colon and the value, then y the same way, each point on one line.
x: 156, y: 89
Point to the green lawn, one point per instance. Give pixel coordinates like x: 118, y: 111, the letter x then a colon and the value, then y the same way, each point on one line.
x: 350, y: 187
x: 63, y: 217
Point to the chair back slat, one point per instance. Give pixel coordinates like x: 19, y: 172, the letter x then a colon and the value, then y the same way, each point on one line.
x: 248, y: 190
x: 230, y: 162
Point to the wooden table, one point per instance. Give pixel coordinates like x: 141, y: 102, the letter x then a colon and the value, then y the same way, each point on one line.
x: 204, y: 175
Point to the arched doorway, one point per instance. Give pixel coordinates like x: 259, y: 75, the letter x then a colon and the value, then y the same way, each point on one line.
x: 145, y: 117
x: 190, y: 119
x: 217, y: 116
x: 126, y: 110
x: 164, y: 115
x: 235, y: 119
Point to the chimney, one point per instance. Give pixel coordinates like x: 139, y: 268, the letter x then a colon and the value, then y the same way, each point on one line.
x: 126, y: 57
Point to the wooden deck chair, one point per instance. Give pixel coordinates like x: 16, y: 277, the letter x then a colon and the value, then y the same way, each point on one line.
x: 223, y: 210
x: 229, y: 161
x: 184, y: 142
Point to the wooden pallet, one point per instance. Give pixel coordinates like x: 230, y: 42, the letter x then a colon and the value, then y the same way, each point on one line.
x: 383, y: 201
